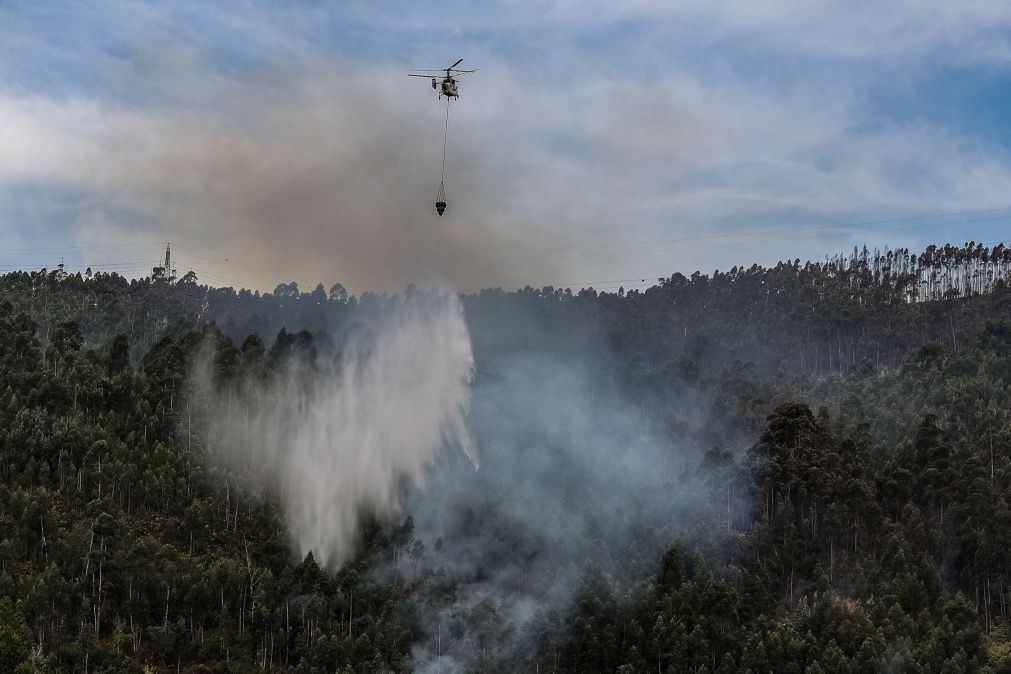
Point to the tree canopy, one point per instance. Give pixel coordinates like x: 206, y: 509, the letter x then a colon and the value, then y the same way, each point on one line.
x: 842, y: 427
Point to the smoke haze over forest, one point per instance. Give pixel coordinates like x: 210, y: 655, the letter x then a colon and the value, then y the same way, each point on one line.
x: 705, y: 368
x: 732, y: 470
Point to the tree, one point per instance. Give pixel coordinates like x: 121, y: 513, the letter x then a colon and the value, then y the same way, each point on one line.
x: 119, y: 355
x: 338, y: 293
x: 15, y: 639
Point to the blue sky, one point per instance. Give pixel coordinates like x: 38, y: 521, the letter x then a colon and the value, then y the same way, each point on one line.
x: 599, y: 142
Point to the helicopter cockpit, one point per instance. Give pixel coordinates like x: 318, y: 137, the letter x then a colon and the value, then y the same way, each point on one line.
x: 449, y: 89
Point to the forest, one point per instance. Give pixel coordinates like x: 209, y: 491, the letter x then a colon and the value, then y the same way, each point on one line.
x: 797, y: 468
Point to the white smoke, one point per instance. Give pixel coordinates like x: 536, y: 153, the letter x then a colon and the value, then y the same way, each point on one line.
x: 335, y: 441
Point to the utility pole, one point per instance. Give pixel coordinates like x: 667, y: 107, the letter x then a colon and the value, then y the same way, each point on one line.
x: 170, y: 273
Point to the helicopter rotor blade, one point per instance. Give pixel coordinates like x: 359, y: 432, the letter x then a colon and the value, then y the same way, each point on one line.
x: 455, y: 64
x: 464, y: 72
x: 416, y: 75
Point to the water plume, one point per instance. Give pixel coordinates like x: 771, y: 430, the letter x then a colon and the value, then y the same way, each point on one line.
x: 334, y: 438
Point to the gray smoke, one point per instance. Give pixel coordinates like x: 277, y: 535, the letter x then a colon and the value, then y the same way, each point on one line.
x: 309, y: 172
x: 573, y: 478
x: 335, y: 441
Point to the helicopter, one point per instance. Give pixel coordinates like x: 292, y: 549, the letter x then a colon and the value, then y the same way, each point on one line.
x: 448, y: 86
x: 450, y: 91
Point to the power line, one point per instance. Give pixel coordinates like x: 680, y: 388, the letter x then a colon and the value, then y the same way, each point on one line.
x: 57, y: 249
x: 587, y: 250
x: 131, y: 267
x: 645, y: 279
x: 709, y: 241
x: 790, y: 230
x: 742, y: 238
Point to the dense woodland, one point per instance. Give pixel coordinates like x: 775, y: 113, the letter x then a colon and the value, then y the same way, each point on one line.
x: 843, y: 427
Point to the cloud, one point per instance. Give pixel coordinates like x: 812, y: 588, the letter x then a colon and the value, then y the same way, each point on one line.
x: 284, y: 144
x: 311, y: 173
x: 825, y: 29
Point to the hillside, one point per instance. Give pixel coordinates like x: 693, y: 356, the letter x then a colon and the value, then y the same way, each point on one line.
x: 796, y: 468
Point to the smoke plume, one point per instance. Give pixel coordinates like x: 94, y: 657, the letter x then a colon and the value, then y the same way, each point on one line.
x: 573, y: 478
x: 576, y: 478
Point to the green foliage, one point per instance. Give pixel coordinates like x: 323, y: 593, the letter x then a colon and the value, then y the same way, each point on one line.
x: 15, y: 639
x: 853, y: 459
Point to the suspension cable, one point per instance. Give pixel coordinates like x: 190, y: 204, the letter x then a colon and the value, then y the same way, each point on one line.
x: 445, y: 139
